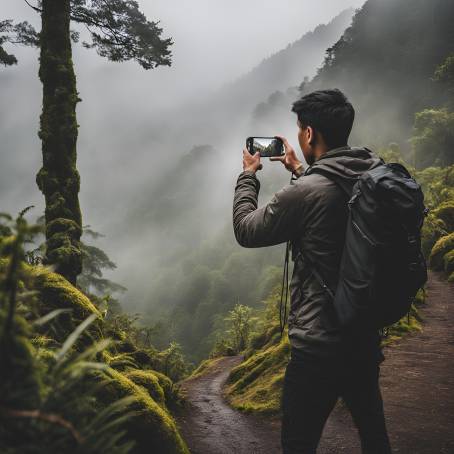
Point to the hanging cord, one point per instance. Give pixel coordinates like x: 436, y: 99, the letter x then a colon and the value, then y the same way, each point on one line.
x: 284, y: 289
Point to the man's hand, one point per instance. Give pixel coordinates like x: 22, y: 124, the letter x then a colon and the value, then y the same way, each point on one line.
x: 251, y: 162
x: 289, y: 159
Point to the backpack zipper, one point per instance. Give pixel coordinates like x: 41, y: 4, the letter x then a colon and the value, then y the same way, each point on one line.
x: 372, y: 243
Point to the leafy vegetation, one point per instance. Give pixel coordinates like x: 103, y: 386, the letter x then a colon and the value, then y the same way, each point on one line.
x: 73, y: 381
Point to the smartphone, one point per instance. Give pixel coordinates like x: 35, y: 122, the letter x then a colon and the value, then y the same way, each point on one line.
x: 266, y: 146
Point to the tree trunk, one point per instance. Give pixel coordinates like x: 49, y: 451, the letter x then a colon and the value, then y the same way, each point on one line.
x: 58, y: 179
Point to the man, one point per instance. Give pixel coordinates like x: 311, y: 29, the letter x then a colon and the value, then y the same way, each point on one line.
x: 311, y: 213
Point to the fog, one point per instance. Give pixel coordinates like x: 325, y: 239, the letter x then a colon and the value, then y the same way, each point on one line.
x: 136, y: 125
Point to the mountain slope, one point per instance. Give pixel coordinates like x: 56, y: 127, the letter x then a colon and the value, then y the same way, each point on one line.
x: 384, y: 62
x: 289, y: 66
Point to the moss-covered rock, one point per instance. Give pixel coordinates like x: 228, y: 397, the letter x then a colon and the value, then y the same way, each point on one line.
x: 445, y: 212
x: 153, y: 428
x: 204, y: 367
x: 53, y: 291
x: 118, y: 361
x: 444, y: 245
x: 256, y: 384
x: 57, y: 293
x: 448, y: 261
x: 431, y: 232
x: 153, y: 383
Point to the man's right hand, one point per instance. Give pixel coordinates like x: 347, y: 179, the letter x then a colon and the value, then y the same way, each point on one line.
x: 289, y: 159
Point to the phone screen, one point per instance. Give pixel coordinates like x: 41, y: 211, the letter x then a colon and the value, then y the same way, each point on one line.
x: 266, y: 146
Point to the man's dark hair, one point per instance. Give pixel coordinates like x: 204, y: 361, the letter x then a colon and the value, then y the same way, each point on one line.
x: 329, y: 112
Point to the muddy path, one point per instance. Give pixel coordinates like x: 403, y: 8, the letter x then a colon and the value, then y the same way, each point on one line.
x: 210, y: 426
x: 417, y: 380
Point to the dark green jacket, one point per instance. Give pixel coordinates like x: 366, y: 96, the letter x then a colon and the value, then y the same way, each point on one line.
x: 311, y: 213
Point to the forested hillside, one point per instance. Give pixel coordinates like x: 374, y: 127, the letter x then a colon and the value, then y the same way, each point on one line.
x: 384, y: 62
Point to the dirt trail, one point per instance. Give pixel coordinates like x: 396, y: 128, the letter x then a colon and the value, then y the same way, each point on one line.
x: 210, y: 426
x: 417, y: 380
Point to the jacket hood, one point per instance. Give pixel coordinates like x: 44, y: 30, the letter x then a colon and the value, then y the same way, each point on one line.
x: 346, y: 162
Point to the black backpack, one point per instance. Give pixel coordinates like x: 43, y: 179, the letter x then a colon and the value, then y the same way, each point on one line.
x: 382, y: 266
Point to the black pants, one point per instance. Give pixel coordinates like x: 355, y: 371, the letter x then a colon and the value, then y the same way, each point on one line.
x: 311, y: 389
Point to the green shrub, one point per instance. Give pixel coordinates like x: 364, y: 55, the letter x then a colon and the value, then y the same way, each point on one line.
x: 57, y: 393
x: 255, y: 385
x: 444, y: 245
x: 445, y: 212
x: 149, y: 381
x: 152, y: 428
x: 432, y: 231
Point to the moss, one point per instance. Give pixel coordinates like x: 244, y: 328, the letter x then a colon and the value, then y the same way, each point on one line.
x: 118, y: 361
x: 57, y: 293
x: 256, y: 384
x: 445, y: 212
x: 264, y: 339
x: 442, y: 246
x: 45, y: 349
x: 204, y: 367
x: 153, y: 428
x: 432, y: 230
x: 407, y: 323
x: 150, y: 382
x: 172, y: 397
x: 451, y: 277
x: 167, y: 385
x: 58, y: 178
x: 420, y: 297
x: 448, y: 261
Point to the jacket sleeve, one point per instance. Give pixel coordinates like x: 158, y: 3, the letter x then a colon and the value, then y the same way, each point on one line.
x: 272, y: 224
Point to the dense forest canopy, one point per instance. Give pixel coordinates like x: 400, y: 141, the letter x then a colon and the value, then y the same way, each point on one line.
x: 385, y: 63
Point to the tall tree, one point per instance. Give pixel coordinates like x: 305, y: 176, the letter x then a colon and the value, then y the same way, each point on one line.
x: 444, y: 74
x: 119, y: 31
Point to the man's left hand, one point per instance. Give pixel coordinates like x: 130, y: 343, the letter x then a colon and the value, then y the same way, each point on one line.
x: 251, y: 162
x: 289, y: 159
